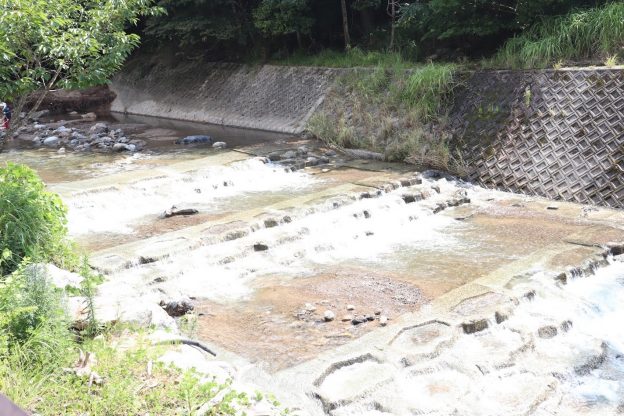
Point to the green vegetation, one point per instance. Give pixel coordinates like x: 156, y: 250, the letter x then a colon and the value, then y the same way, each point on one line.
x: 394, y: 111
x: 354, y: 57
x: 579, y: 36
x: 62, y: 44
x: 417, y: 29
x: 49, y: 368
x: 32, y: 221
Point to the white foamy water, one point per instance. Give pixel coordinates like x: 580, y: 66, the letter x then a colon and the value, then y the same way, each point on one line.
x: 120, y: 208
x: 510, y: 370
x: 368, y: 231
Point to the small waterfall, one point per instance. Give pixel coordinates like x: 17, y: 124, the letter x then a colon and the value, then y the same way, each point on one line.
x: 210, y: 190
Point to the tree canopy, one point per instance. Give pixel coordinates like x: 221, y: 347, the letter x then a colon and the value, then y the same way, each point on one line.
x: 233, y: 28
x: 64, y: 43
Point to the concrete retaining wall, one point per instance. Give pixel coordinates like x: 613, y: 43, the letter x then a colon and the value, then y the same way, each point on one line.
x: 554, y: 133
x: 265, y: 97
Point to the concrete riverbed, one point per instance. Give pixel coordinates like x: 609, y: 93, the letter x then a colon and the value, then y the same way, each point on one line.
x: 354, y: 287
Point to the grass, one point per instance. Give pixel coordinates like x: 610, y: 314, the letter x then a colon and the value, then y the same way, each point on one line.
x: 393, y: 109
x: 595, y: 34
x: 354, y: 57
x: 133, y: 382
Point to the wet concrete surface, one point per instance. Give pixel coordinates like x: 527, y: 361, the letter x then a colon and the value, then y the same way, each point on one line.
x: 268, y: 314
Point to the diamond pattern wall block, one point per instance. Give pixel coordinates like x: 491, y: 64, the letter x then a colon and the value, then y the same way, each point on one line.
x: 553, y: 133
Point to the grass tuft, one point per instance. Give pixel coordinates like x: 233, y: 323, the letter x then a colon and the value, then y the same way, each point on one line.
x: 595, y: 34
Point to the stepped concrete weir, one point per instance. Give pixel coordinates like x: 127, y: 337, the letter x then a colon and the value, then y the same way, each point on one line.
x: 360, y: 287
x: 350, y: 287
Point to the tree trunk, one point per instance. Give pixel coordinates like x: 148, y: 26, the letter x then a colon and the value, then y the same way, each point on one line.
x: 345, y: 24
x: 392, y: 12
x: 17, y: 121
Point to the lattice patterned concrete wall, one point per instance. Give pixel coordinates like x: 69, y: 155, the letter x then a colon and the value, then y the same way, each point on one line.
x: 557, y: 133
x: 274, y: 98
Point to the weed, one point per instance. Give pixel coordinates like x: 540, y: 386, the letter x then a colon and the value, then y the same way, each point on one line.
x: 32, y: 221
x: 577, y: 36
x: 611, y: 61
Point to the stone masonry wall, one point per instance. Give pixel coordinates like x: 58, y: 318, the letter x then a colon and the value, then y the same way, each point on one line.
x: 554, y: 133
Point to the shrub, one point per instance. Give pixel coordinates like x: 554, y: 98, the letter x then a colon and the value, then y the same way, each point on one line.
x: 33, y: 321
x: 32, y: 220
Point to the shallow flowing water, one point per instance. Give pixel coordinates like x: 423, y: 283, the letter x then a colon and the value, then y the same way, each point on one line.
x: 271, y: 250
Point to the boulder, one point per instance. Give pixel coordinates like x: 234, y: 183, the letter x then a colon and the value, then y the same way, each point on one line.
x: 219, y: 145
x: 475, y: 326
x: 289, y: 154
x: 547, y: 332
x: 120, y: 147
x: 195, y: 139
x: 260, y: 247
x: 51, y: 141
x: 178, y: 307
x: 99, y: 128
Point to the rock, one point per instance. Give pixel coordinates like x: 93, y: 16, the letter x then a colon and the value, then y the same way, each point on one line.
x: 38, y: 126
x: 61, y: 151
x: 436, y: 188
x: 177, y: 308
x: 566, y: 326
x: 260, y: 247
x: 58, y: 277
x: 329, y: 316
x: 500, y: 317
x: 378, y: 312
x: 302, y: 150
x: 99, y: 128
x: 369, y: 317
x: 347, y: 318
x: 441, y: 206
x: 63, y: 131
x: 547, y: 332
x: 131, y: 147
x: 78, y: 136
x: 38, y: 114
x: 289, y: 155
x: 120, y: 147
x: 309, y: 307
x: 175, y: 211
x: 219, y: 145
x: 350, y: 307
x: 552, y: 207
x: 410, y: 198
x: 270, y: 223
x: 274, y: 156
x: 51, y: 141
x: 359, y: 320
x: 329, y: 153
x: 195, y: 139
x: 475, y: 326
x: 89, y: 116
x: 312, y: 161
x: 383, y: 320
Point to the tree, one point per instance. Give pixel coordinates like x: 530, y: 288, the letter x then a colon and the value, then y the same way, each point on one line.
x: 345, y: 24
x: 392, y: 10
x: 283, y: 17
x: 46, y: 45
